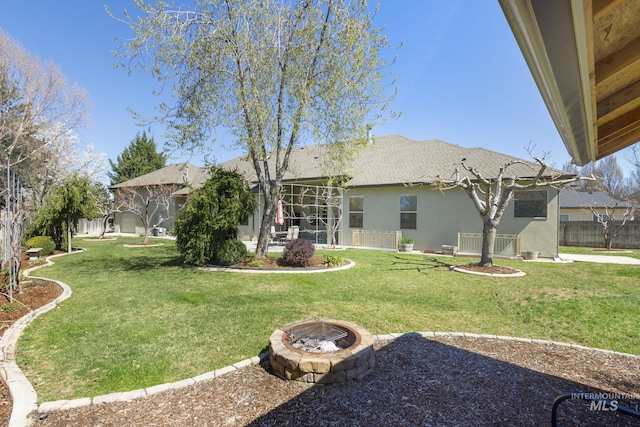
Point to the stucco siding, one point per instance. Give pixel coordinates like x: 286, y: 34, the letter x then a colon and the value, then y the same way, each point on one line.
x: 442, y: 215
x: 578, y: 214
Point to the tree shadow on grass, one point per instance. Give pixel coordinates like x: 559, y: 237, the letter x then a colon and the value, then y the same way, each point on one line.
x: 135, y: 262
x: 419, y: 381
x: 419, y: 264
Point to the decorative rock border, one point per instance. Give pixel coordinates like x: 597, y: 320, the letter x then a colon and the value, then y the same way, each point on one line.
x: 479, y: 273
x: 139, y: 245
x: 23, y: 394
x: 61, y: 405
x: 19, y: 418
x: 25, y: 398
x: 281, y: 270
x: 350, y: 363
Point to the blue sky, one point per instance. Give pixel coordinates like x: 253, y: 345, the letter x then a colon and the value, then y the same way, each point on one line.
x: 461, y: 77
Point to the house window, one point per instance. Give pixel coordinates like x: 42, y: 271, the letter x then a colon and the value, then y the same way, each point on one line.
x: 530, y: 204
x: 603, y: 218
x: 356, y: 211
x: 564, y: 217
x: 408, y: 211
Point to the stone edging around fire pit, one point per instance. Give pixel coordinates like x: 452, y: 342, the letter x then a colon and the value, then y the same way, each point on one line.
x: 348, y: 363
x: 281, y: 270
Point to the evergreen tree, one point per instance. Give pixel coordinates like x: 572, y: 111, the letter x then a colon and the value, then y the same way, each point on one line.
x: 212, y: 215
x: 139, y: 158
x: 68, y: 202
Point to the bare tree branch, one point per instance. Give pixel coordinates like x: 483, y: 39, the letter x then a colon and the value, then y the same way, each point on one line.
x: 151, y: 203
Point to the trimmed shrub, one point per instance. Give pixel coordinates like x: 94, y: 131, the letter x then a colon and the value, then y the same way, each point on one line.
x: 45, y: 242
x: 231, y: 252
x: 298, y: 253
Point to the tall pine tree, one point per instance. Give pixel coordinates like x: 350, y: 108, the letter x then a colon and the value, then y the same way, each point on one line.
x: 139, y: 158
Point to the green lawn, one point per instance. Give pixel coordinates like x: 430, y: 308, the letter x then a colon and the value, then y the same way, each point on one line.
x: 138, y: 318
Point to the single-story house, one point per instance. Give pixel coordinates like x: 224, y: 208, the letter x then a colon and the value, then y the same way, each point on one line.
x: 181, y: 176
x: 576, y: 205
x: 391, y: 192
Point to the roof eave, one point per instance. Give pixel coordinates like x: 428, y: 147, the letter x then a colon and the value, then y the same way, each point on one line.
x: 569, y: 103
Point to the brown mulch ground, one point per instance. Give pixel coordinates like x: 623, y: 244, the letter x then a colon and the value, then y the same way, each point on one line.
x: 493, y: 269
x: 276, y: 263
x: 35, y: 294
x: 439, y: 381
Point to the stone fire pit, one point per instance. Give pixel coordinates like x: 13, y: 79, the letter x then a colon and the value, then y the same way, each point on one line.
x: 345, y: 355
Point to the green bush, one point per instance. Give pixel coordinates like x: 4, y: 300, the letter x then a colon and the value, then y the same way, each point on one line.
x: 212, y: 215
x: 298, y: 253
x: 257, y: 263
x: 11, y: 307
x: 231, y: 252
x: 45, y: 242
x: 332, y: 260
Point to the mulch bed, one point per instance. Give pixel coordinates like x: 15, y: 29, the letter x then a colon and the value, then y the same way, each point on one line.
x: 493, y: 269
x: 276, y: 263
x: 436, y: 381
x: 35, y: 294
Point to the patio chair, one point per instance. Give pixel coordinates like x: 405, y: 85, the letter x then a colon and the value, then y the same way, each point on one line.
x: 288, y: 236
x: 272, y: 241
x: 295, y: 231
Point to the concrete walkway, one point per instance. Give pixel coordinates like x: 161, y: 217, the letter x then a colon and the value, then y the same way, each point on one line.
x: 603, y: 259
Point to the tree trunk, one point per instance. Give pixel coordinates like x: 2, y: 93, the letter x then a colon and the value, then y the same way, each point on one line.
x: 103, y: 226
x: 489, y: 231
x: 265, y: 227
x: 69, y: 234
x: 330, y: 223
x: 608, y: 241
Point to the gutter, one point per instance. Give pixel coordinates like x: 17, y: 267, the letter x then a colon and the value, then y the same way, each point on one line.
x: 553, y: 39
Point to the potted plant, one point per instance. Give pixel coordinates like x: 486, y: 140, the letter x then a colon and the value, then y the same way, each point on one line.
x: 406, y: 244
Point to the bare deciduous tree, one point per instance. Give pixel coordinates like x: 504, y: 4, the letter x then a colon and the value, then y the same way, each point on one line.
x: 37, y: 106
x: 105, y: 206
x: 608, y: 175
x: 490, y: 196
x: 611, y: 227
x: 321, y: 205
x: 151, y: 203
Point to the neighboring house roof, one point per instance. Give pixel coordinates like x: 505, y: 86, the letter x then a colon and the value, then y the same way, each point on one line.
x: 178, y: 174
x: 570, y: 198
x: 397, y: 160
x: 585, y: 59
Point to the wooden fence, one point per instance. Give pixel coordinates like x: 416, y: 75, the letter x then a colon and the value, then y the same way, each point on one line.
x: 591, y: 234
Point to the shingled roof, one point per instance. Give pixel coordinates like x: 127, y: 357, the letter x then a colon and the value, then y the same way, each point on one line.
x: 570, y: 198
x: 389, y: 160
x: 178, y: 174
x: 397, y: 160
